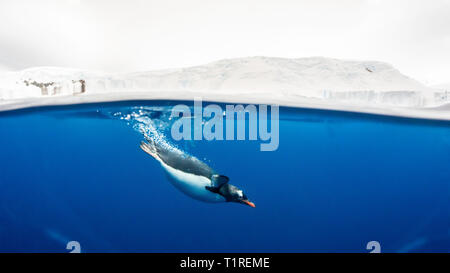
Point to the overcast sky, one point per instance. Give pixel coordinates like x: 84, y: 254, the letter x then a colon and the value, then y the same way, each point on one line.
x: 136, y: 35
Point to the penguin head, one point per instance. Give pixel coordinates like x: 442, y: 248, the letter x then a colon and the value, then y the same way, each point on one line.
x: 234, y: 194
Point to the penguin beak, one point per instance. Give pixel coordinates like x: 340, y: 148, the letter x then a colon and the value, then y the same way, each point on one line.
x: 251, y: 204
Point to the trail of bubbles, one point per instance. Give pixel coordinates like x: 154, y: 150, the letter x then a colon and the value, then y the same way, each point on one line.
x: 153, y: 122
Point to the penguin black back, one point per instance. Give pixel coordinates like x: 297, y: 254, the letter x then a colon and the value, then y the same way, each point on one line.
x: 178, y: 160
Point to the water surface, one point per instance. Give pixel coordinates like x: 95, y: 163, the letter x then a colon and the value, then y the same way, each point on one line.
x: 337, y: 181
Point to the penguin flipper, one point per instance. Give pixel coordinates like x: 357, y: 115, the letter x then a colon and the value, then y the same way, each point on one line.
x: 218, y: 180
x: 212, y: 189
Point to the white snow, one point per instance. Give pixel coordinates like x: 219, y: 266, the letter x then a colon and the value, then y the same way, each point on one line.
x: 317, y: 82
x: 442, y: 86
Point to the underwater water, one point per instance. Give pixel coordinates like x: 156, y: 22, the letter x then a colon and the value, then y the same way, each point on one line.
x: 337, y: 181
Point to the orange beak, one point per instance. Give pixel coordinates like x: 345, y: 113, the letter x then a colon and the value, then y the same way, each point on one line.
x: 249, y: 203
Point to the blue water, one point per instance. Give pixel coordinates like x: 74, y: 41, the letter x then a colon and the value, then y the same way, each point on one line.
x: 337, y: 181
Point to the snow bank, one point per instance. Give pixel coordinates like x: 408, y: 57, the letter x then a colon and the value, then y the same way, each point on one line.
x: 331, y: 83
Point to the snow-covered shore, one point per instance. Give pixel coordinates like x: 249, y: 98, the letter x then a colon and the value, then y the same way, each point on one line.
x: 322, y: 83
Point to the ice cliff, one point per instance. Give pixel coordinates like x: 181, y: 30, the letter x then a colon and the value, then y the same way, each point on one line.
x: 325, y: 80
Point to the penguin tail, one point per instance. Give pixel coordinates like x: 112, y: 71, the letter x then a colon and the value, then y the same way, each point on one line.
x: 149, y: 149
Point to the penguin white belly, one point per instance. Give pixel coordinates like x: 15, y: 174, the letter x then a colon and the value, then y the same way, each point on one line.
x: 192, y: 185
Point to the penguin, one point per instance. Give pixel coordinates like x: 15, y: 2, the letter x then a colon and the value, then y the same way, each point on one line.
x: 193, y: 177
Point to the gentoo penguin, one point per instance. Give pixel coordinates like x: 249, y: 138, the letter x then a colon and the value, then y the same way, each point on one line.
x: 193, y: 177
